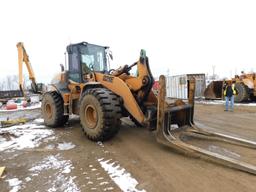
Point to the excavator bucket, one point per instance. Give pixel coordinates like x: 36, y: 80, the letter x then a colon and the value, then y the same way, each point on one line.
x: 214, y: 90
x: 175, y: 124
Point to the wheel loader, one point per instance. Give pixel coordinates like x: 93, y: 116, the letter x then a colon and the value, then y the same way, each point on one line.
x: 102, y: 96
x: 244, y: 83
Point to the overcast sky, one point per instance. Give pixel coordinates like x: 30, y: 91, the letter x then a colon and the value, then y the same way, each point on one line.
x: 182, y: 36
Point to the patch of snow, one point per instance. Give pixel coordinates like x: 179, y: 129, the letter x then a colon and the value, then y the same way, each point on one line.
x: 222, y: 102
x: 53, y: 162
x: 2, y: 139
x: 108, y: 189
x: 15, y: 183
x: 65, y: 184
x: 39, y: 120
x: 49, y: 139
x: 65, y: 146
x: 104, y: 183
x: 49, y: 147
x: 62, y: 182
x: 100, y: 143
x: 27, y: 179
x: 120, y: 176
x: 174, y: 126
x: 24, y: 136
x: 67, y: 169
x: 245, y: 104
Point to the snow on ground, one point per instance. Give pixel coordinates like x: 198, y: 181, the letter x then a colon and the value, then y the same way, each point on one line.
x: 52, y: 162
x: 39, y: 121
x: 31, y: 135
x: 65, y: 146
x: 63, y: 181
x: 15, y: 184
x: 221, y: 102
x: 23, y: 136
x: 120, y: 176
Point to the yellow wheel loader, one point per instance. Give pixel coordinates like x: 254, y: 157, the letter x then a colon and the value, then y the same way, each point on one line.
x: 101, y: 96
x: 245, y: 85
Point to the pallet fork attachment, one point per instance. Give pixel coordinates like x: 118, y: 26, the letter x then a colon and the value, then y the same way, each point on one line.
x: 182, y: 115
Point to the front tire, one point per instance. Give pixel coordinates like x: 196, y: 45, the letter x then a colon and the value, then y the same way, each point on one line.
x: 100, y: 114
x: 53, y: 109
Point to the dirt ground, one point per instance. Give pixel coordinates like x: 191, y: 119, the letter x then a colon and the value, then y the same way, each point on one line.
x: 144, y: 164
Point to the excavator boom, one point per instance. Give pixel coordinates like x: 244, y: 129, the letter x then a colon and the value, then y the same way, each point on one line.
x: 23, y: 57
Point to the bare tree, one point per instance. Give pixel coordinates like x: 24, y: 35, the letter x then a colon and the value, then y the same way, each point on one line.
x: 10, y: 82
x: 1, y: 85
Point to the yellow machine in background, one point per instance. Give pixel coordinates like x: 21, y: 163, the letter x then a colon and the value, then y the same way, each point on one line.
x: 23, y: 57
x: 102, y: 96
x: 246, y: 86
x: 244, y: 83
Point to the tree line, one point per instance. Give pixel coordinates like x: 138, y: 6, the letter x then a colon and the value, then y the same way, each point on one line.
x: 11, y: 82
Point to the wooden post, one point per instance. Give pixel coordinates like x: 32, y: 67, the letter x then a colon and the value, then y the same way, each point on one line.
x: 161, y: 103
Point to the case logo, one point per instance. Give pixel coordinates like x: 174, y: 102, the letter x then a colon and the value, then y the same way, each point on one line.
x: 108, y: 78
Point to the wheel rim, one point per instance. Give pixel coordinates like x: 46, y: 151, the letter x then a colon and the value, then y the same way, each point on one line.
x: 91, y: 116
x: 48, y: 110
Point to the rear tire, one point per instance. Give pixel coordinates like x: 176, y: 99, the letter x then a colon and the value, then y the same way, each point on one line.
x: 53, y: 110
x: 100, y: 114
x: 242, y: 93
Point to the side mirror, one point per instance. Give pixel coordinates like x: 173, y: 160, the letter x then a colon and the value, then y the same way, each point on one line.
x: 110, y: 55
x: 62, y: 67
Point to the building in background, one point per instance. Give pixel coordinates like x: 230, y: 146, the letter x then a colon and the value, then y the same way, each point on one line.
x: 177, y: 86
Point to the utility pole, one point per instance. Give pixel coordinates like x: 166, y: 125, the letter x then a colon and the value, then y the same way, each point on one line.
x: 213, y: 72
x: 65, y: 60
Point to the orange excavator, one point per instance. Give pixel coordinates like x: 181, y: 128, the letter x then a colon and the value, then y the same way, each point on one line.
x: 23, y: 57
x: 102, y: 96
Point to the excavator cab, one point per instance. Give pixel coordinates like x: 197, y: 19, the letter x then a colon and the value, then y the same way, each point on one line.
x: 85, y: 58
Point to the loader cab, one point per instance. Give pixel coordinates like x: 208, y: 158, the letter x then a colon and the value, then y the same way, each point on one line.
x: 84, y: 58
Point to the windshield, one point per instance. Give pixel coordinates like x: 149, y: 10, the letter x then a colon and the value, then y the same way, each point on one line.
x: 93, y: 58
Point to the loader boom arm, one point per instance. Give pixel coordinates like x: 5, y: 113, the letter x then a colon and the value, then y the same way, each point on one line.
x: 121, y: 84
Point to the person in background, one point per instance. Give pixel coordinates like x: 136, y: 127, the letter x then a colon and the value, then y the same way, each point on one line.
x: 229, y: 92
